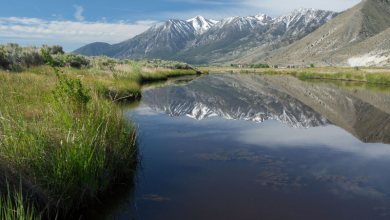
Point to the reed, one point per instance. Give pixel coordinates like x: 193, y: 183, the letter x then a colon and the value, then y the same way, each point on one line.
x: 64, y: 154
x: 15, y: 207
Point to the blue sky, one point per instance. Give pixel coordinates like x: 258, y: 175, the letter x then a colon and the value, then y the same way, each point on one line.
x: 77, y: 23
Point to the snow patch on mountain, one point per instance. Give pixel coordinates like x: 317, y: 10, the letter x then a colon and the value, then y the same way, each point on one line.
x: 260, y: 19
x: 307, y: 14
x: 263, y: 18
x: 225, y: 21
x: 201, y: 24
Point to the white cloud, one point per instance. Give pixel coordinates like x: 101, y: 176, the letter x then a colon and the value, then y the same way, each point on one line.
x: 147, y: 111
x: 317, y: 137
x: 61, y: 32
x: 78, y: 12
x: 146, y: 22
x: 27, y: 21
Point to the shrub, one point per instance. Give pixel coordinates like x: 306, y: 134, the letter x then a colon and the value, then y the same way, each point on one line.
x: 67, y: 89
x: 72, y: 60
x: 54, y: 49
x: 13, y: 54
x: 4, y: 61
x: 261, y: 65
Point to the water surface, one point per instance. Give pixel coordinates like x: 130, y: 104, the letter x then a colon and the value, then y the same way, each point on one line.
x: 230, y: 146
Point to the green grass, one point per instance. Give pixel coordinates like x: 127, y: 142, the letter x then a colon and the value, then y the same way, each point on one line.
x: 66, y: 157
x: 378, y: 78
x: 14, y: 206
x: 146, y: 76
x: 180, y: 72
x: 164, y: 74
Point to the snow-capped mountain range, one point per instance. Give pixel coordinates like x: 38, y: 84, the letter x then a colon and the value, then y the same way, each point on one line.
x: 198, y: 39
x: 299, y: 16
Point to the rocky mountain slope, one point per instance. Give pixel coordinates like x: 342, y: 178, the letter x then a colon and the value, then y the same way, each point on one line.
x: 201, y: 40
x: 327, y: 45
x: 234, y: 38
x: 374, y: 51
x: 160, y: 41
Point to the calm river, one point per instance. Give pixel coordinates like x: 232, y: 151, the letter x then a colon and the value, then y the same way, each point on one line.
x: 231, y: 146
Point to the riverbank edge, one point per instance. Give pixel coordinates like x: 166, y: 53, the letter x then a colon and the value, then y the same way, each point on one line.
x: 364, y: 75
x: 12, y: 198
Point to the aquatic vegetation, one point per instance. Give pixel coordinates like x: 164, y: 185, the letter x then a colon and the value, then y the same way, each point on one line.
x: 273, y: 176
x: 353, y: 185
x: 238, y: 154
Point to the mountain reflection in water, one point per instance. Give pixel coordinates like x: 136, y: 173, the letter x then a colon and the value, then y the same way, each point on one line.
x: 364, y: 114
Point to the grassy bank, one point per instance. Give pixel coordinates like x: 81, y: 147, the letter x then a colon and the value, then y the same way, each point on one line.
x: 365, y: 74
x: 64, y: 153
x: 121, y: 82
x: 345, y: 74
x: 63, y: 137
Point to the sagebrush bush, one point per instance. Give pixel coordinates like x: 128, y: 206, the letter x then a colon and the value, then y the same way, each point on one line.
x: 54, y: 49
x: 72, y: 60
x: 4, y: 61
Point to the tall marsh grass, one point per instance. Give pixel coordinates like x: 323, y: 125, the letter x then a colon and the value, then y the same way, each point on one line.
x: 64, y: 156
x: 15, y: 207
